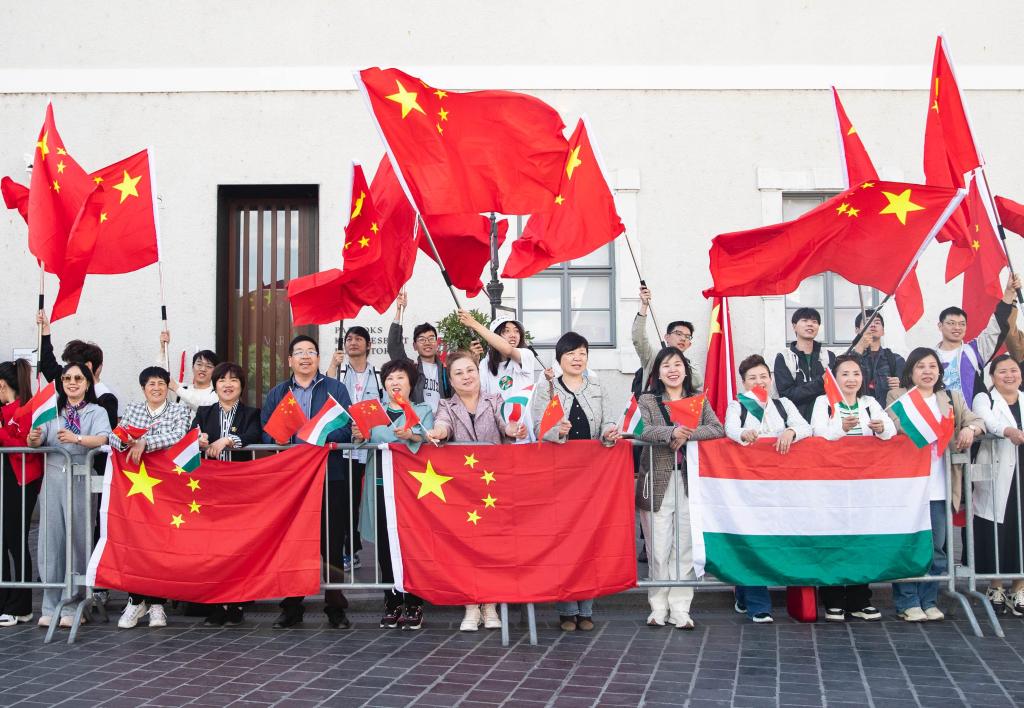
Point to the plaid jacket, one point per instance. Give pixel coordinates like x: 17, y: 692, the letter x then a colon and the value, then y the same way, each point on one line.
x: 162, y: 430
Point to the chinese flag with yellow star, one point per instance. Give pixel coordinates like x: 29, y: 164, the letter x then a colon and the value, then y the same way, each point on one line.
x: 469, y: 152
x: 720, y: 365
x: 582, y: 216
x: 227, y: 532
x: 871, y: 234
x: 983, y: 264
x: 511, y: 523
x: 362, y: 233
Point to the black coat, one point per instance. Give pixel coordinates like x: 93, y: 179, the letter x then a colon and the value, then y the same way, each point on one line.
x: 246, y: 424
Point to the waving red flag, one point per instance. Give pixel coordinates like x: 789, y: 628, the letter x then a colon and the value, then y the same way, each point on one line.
x: 127, y: 235
x: 466, y: 153
x: 553, y: 415
x: 686, y: 411
x: 362, y: 233
x: 871, y: 234
x: 464, y: 243
x: 1011, y: 215
x: 720, y: 365
x: 79, y: 251
x: 411, y: 419
x: 583, y: 217
x: 982, y: 288
x: 367, y: 415
x: 15, y: 196
x: 285, y: 419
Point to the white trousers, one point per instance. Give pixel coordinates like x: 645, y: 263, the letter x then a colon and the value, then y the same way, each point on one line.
x: 668, y: 541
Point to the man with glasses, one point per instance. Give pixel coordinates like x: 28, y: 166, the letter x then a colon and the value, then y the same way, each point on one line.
x: 311, y: 389
x: 432, y: 383
x: 201, y: 392
x: 678, y: 334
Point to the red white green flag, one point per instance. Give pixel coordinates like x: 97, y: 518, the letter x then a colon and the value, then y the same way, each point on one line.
x: 185, y: 454
x: 332, y: 416
x: 44, y: 405
x: 920, y: 423
x: 755, y: 400
x: 631, y: 423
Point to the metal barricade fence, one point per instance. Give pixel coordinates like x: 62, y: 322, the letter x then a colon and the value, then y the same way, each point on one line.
x: 17, y: 504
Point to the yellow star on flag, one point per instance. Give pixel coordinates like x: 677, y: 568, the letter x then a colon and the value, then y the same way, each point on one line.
x: 443, y: 114
x: 976, y: 245
x: 193, y: 507
x: 473, y: 517
x: 716, y: 328
x: 358, y: 208
x: 852, y: 211
x: 851, y: 131
x: 867, y: 185
x: 440, y: 130
x: 56, y: 186
x: 573, y: 162
x: 97, y: 179
x: 487, y: 477
x: 470, y: 460
x: 374, y: 228
x: 559, y: 199
x: 61, y: 151
x: 406, y: 99
x: 127, y: 186
x: 440, y: 94
x: 103, y: 217
x: 60, y: 167
x: 177, y: 521
x: 900, y: 204
x: 364, y: 242
x: 430, y: 482
x: 347, y: 244
x: 44, y: 150
x: 488, y: 501
x: 842, y: 208
x: 193, y: 484
x: 142, y: 483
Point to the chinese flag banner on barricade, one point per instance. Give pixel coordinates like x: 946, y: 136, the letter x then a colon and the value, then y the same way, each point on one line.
x: 470, y: 152
x: 760, y: 518
x: 478, y: 523
x: 227, y: 532
x: 871, y: 234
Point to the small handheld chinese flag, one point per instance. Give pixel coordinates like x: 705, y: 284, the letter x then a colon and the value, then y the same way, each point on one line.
x: 126, y: 433
x: 835, y: 397
x: 686, y: 411
x: 368, y: 415
x: 286, y: 419
x: 411, y: 418
x: 553, y: 415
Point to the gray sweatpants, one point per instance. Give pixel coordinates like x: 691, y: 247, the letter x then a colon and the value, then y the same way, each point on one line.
x: 54, y: 517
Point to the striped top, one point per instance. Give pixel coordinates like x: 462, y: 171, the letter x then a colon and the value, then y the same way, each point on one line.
x: 854, y: 410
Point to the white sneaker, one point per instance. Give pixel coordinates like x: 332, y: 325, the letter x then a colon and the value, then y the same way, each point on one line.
x: 44, y: 621
x: 997, y: 596
x: 913, y: 614
x: 157, y: 616
x: 67, y: 620
x: 1017, y: 603
x: 683, y: 621
x: 471, y: 622
x: 657, y: 618
x: 131, y: 615
x: 934, y: 614
x: 491, y: 618
x: 11, y: 620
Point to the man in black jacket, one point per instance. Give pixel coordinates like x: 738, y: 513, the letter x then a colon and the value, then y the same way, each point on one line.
x: 880, y: 367
x: 799, y: 369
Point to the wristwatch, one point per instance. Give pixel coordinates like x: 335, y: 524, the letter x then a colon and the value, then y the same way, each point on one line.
x: 79, y: 439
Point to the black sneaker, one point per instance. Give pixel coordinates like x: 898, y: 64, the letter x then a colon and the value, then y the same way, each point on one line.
x: 391, y: 617
x: 738, y: 607
x: 835, y: 614
x: 762, y: 618
x: 288, y: 618
x: 337, y: 618
x: 412, y: 618
x: 234, y: 616
x: 218, y: 615
x: 868, y: 614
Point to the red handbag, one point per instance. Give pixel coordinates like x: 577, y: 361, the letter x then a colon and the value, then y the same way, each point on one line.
x: 802, y: 603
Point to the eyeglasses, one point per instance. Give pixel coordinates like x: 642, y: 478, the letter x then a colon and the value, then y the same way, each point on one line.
x: 77, y: 378
x: 426, y: 340
x: 305, y: 353
x: 201, y: 364
x: 682, y: 335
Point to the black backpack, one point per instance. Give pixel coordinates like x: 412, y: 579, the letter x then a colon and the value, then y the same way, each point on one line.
x: 778, y: 406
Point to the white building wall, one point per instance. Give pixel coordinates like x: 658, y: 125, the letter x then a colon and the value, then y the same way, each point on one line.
x: 705, y: 113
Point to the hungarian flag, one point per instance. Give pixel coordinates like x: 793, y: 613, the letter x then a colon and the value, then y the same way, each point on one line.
x: 185, y: 454
x: 285, y: 420
x: 553, y: 415
x: 720, y: 364
x: 919, y: 423
x: 581, y: 217
x: 1011, y: 214
x: 126, y: 433
x: 411, y: 419
x: 332, y: 416
x: 467, y: 153
x: 228, y: 532
x: 686, y: 411
x: 858, y: 169
x: 871, y: 234
x: 15, y: 196
x: 631, y: 422
x: 367, y: 415
x: 362, y: 233
x: 471, y: 524
x: 754, y: 401
x: 44, y: 405
x: 760, y: 518
x: 832, y: 392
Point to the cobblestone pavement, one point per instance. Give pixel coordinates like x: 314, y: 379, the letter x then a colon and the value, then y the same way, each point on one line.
x: 726, y: 661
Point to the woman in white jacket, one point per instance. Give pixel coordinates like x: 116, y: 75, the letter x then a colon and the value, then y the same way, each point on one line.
x: 853, y: 415
x: 997, y: 503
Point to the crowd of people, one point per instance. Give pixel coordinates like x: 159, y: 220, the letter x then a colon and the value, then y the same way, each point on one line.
x: 461, y: 398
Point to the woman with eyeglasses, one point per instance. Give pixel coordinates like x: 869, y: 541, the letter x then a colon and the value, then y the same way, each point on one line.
x: 81, y: 425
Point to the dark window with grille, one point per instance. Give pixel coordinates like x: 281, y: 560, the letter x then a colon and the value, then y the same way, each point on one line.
x: 268, y: 235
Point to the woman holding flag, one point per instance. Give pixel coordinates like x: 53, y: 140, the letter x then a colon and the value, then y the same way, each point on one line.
x: 472, y: 416
x: 746, y: 420
x: 661, y: 495
x: 842, y: 411
x: 930, y: 415
x: 80, y: 425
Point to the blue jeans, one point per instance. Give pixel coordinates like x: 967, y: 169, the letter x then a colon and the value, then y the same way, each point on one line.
x: 925, y: 595
x: 755, y: 598
x: 583, y: 608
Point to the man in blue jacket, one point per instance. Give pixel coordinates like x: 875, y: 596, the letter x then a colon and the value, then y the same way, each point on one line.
x: 311, y: 389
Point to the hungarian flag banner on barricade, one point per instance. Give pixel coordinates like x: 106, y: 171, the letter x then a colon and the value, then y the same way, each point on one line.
x: 761, y: 518
x: 227, y: 532
x: 511, y: 523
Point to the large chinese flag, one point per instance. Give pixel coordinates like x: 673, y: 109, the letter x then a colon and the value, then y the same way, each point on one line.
x: 583, y: 217
x: 467, y: 153
x: 362, y: 233
x: 126, y: 239
x: 464, y: 243
x: 720, y: 365
x: 986, y: 259
x: 858, y: 169
x: 227, y: 532
x: 871, y: 234
x: 515, y: 523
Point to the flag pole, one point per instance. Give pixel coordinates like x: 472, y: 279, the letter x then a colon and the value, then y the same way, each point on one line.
x: 39, y: 325
x: 440, y: 263
x: 643, y: 284
x: 159, y: 250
